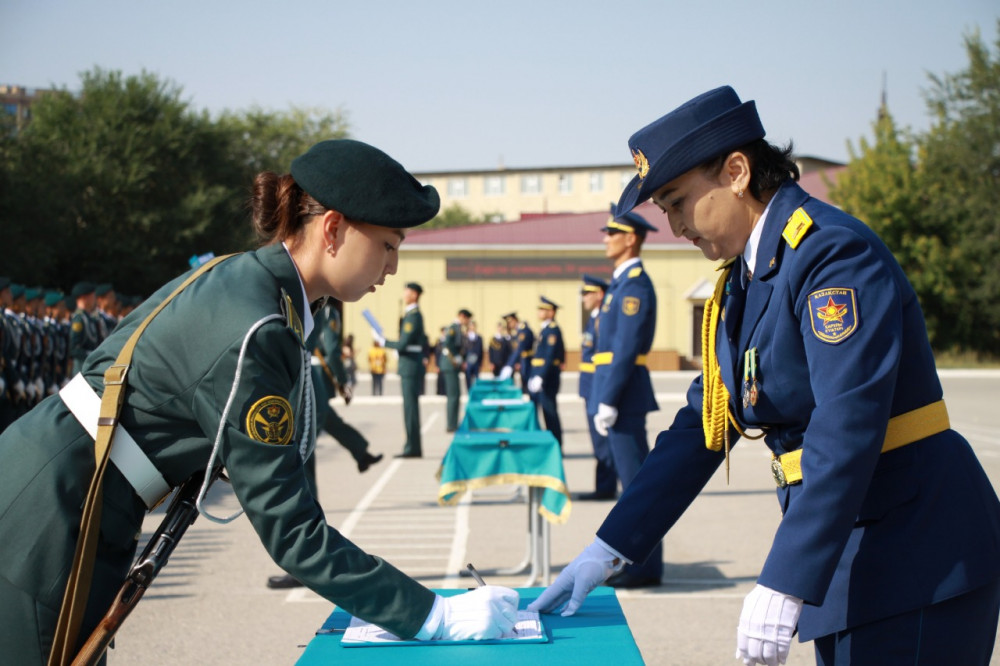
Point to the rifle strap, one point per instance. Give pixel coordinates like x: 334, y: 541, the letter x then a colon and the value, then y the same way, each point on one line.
x: 77, y: 592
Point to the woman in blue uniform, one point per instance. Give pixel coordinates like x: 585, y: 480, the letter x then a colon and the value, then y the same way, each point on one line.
x: 222, y: 377
x: 888, y: 551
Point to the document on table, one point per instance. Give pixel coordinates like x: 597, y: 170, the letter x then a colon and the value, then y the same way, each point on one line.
x: 527, y: 629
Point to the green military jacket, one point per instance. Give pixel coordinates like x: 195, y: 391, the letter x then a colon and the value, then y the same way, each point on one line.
x: 84, y: 337
x: 452, y: 360
x: 410, y: 344
x: 182, y: 375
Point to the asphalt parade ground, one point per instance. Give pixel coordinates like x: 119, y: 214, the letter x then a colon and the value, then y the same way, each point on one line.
x: 210, y: 604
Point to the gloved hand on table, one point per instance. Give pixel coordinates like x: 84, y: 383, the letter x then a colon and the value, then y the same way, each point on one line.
x: 587, y: 570
x: 483, y: 613
x: 768, y: 620
x: 535, y: 384
x: 505, y: 372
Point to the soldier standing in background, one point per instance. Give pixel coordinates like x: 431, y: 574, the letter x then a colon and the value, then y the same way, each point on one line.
x: 499, y: 350
x: 84, y: 334
x: 410, y: 347
x: 522, y: 347
x: 450, y: 365
x: 546, y: 367
x: 605, y: 477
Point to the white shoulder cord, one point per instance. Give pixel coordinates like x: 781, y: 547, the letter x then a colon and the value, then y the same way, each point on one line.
x: 222, y: 425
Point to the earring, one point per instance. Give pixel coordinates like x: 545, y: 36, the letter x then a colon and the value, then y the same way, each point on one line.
x: 332, y: 251
x: 740, y: 194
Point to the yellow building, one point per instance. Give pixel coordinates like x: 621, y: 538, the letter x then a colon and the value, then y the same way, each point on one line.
x: 492, y: 269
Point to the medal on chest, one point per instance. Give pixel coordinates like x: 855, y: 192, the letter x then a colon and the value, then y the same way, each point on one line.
x: 751, y: 389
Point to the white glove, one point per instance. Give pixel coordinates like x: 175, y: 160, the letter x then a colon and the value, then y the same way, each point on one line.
x: 767, y: 622
x: 535, y: 384
x: 484, y: 613
x: 587, y: 570
x: 18, y: 389
x: 605, y: 418
x: 506, y: 372
x: 29, y: 389
x: 39, y: 387
x: 378, y: 338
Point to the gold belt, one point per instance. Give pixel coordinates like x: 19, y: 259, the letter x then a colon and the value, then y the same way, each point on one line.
x: 539, y: 362
x: 902, y: 430
x: 604, y: 358
x: 586, y: 367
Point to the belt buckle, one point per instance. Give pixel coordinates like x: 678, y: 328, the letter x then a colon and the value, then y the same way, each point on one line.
x: 778, y: 472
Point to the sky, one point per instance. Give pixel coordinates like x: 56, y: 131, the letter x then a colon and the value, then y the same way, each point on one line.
x: 454, y: 85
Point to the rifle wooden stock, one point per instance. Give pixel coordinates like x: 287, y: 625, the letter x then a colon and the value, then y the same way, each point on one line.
x: 181, y: 513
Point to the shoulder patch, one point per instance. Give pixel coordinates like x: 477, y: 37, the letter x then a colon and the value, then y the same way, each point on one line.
x: 77, y: 326
x: 798, y: 224
x: 407, y: 326
x: 635, y: 272
x: 630, y: 305
x: 270, y: 420
x: 833, y: 313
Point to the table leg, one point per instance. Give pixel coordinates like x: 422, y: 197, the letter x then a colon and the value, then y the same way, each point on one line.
x: 529, y: 555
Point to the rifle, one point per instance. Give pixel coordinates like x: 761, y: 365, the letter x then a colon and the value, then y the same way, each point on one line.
x: 180, y: 514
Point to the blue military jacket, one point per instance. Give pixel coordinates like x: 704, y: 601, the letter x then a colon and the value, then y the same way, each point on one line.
x: 550, y: 354
x: 587, y: 344
x: 841, y: 347
x: 522, y: 349
x: 627, y: 325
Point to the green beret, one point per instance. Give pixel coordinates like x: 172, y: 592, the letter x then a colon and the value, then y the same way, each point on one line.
x: 4, y: 282
x: 16, y: 290
x: 103, y: 288
x: 53, y: 297
x: 364, y: 184
x: 32, y: 293
x: 82, y: 289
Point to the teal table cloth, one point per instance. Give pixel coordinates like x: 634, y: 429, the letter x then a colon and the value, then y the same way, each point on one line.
x: 525, y: 457
x: 507, y: 391
x: 499, y: 417
x: 597, y: 634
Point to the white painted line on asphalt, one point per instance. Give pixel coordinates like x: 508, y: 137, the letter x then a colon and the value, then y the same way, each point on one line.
x: 459, y: 542
x: 429, y: 422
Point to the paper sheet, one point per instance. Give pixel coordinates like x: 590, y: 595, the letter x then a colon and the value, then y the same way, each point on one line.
x: 528, y: 628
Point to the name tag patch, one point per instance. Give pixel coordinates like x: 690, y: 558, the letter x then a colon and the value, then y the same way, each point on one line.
x: 833, y: 313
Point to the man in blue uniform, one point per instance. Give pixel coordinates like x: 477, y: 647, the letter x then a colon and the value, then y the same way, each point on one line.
x: 546, y: 367
x: 888, y: 550
x: 622, y: 394
x: 605, y: 477
x: 499, y: 350
x: 522, y: 349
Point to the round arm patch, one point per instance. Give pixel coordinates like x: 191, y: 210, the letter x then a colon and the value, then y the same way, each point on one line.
x: 271, y: 421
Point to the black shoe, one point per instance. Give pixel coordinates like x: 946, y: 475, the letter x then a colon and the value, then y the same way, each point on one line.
x: 449, y: 430
x: 283, y: 582
x: 408, y: 455
x: 367, y: 461
x: 624, y: 580
x: 595, y: 496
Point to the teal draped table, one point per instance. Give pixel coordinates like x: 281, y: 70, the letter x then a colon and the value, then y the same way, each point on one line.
x: 597, y: 634
x: 529, y: 458
x: 478, y: 392
x: 509, y: 416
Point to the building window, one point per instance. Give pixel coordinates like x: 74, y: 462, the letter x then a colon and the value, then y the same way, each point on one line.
x: 494, y: 186
x: 531, y: 184
x: 565, y: 183
x: 596, y: 181
x: 458, y: 187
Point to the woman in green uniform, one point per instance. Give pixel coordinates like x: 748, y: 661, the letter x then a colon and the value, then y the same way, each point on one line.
x: 221, y: 377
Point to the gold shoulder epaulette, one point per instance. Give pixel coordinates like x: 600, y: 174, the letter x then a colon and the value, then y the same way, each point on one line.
x: 635, y: 272
x: 798, y: 224
x: 291, y: 316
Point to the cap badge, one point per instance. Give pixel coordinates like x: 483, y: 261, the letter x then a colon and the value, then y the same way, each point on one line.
x: 641, y: 163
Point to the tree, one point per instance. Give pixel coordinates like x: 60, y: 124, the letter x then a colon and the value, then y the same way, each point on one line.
x: 270, y: 140
x: 457, y: 216
x: 935, y: 199
x: 961, y: 164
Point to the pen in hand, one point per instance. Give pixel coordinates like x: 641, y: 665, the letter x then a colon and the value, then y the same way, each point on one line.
x: 475, y: 574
